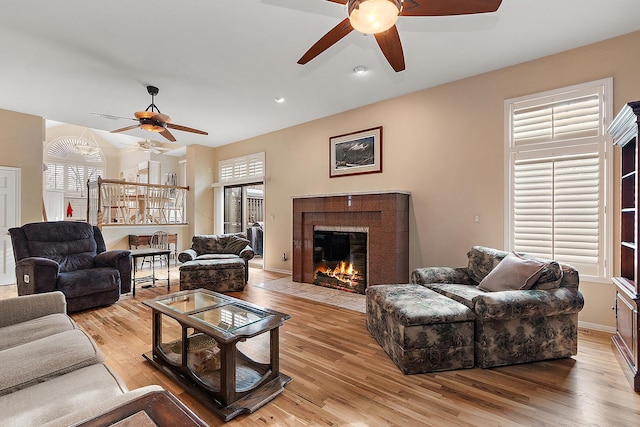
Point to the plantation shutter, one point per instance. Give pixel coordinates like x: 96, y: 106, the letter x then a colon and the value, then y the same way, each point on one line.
x: 75, y: 178
x: 573, y: 118
x: 94, y: 173
x: 556, y: 190
x: 54, y: 176
x: 242, y: 169
x: 556, y: 206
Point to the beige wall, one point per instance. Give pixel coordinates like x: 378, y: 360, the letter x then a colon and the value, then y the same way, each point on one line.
x: 201, y: 162
x: 446, y: 146
x: 21, y: 137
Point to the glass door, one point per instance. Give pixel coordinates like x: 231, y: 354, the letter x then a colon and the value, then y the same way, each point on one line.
x: 244, y: 212
x: 233, y: 209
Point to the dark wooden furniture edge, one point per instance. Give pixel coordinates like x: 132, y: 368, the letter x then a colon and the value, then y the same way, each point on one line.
x: 162, y: 407
x: 245, y: 405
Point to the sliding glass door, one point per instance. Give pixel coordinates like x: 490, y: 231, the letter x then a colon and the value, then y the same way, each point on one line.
x: 244, y: 212
x: 233, y: 209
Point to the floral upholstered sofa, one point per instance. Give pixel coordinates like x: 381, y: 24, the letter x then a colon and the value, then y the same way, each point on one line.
x: 526, y: 308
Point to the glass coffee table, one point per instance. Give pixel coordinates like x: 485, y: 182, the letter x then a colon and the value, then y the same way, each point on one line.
x: 222, y: 350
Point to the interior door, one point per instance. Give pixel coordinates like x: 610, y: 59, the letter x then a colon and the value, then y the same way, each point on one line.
x: 9, y: 217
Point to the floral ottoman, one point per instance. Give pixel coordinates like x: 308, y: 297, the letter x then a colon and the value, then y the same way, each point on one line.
x: 420, y: 330
x: 218, y: 275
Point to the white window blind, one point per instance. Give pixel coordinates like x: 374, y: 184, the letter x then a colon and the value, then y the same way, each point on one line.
x: 68, y: 169
x: 242, y: 169
x: 75, y: 178
x: 93, y: 173
x: 556, y: 194
x: 572, y: 118
x: 54, y: 176
x: 556, y: 210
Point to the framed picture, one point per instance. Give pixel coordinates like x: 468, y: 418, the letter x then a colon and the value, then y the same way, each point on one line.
x: 356, y: 153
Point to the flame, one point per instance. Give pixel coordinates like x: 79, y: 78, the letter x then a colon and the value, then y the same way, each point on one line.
x: 344, y: 271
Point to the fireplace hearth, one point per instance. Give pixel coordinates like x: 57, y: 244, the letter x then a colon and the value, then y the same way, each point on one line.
x: 383, y: 216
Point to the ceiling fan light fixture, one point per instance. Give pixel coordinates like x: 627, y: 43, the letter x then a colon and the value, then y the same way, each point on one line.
x: 151, y: 127
x: 373, y: 16
x: 144, y: 114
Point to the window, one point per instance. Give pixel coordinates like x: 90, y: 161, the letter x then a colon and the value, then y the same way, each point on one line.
x: 557, y: 188
x: 242, y: 169
x: 68, y: 168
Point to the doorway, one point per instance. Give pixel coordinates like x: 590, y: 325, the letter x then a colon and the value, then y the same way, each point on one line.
x: 244, y: 212
x: 9, y: 217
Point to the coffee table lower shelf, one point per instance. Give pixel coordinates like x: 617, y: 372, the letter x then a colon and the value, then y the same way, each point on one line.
x: 245, y: 405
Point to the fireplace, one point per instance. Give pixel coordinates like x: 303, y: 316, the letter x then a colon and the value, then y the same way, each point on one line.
x: 340, y: 258
x: 385, y: 218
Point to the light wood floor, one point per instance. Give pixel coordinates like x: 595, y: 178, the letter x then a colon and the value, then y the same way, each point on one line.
x: 341, y: 377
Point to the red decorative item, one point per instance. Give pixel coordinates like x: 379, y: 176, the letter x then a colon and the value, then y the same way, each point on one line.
x: 69, y: 210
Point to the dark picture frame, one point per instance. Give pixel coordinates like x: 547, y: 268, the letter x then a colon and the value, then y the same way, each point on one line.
x: 356, y: 153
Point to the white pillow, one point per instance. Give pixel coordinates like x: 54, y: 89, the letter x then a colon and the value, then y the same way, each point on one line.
x: 512, y: 273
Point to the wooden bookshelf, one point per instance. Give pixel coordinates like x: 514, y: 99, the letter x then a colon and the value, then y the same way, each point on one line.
x: 625, y: 133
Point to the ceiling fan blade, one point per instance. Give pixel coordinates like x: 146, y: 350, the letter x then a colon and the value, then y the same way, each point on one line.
x: 168, y: 135
x: 186, y: 129
x: 111, y: 117
x: 389, y: 42
x: 328, y: 40
x: 447, y: 7
x: 339, y: 1
x: 125, y: 128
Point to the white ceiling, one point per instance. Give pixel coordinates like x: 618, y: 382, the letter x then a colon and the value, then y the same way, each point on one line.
x: 220, y: 64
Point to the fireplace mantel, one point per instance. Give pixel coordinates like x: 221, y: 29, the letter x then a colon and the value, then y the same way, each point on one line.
x: 368, y: 193
x: 384, y: 213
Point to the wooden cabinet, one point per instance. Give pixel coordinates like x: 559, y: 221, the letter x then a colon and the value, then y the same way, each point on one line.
x: 625, y: 133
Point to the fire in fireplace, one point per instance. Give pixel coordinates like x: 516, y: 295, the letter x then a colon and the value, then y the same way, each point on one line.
x: 340, y: 259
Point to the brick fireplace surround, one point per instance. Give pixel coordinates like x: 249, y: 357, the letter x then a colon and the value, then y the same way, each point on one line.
x: 385, y: 214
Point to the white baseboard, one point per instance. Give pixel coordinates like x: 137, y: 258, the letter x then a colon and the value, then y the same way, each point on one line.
x: 597, y: 327
x: 277, y: 270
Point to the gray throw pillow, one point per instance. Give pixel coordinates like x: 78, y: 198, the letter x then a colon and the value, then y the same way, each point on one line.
x: 512, y: 273
x: 235, y: 245
x: 550, y: 277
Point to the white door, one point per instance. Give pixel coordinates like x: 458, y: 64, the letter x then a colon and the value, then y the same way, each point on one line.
x: 9, y: 217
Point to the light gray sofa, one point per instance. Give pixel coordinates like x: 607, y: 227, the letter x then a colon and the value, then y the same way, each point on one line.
x: 532, y: 315
x: 51, y: 372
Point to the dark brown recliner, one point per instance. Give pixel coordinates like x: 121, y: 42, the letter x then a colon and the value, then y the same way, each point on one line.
x: 70, y: 257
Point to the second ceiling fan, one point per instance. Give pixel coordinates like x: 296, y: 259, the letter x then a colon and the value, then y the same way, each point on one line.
x: 378, y: 17
x: 153, y: 120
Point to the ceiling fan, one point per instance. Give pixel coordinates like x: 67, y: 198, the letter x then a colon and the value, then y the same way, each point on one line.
x: 153, y: 120
x: 150, y: 146
x: 378, y: 17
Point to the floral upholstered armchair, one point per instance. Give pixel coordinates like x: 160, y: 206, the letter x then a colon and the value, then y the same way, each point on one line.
x: 219, y: 247
x: 526, y: 308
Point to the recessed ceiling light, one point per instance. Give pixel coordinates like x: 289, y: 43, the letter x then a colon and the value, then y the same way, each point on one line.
x: 279, y: 100
x: 360, y: 69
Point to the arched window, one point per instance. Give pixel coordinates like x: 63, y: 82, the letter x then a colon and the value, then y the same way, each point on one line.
x: 70, y: 161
